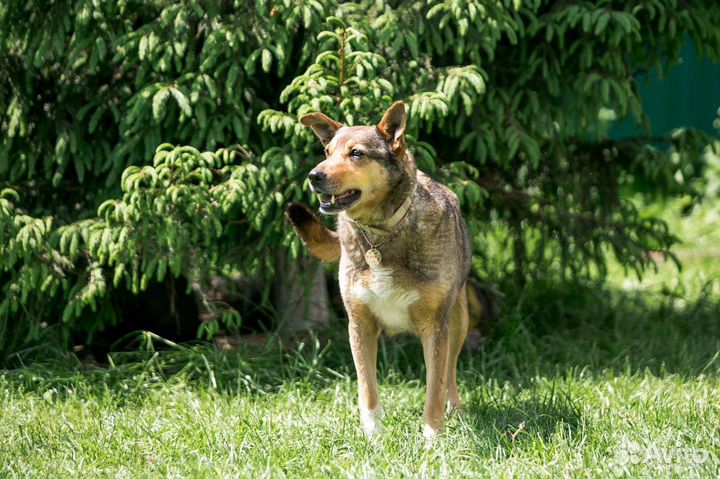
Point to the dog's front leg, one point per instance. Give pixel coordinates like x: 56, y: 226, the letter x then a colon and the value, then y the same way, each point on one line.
x: 435, y: 342
x: 364, y: 332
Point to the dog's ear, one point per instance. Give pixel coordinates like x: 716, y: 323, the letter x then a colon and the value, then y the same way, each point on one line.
x: 323, y: 126
x: 392, y: 127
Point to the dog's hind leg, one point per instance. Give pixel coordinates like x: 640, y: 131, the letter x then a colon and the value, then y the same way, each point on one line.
x: 364, y: 332
x: 458, y: 330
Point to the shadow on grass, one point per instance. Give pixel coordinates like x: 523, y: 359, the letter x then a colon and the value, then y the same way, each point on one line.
x: 508, y: 423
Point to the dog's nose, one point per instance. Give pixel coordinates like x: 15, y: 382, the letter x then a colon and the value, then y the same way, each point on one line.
x: 317, y: 176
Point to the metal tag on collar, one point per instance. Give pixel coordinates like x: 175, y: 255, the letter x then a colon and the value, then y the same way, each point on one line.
x: 373, y: 257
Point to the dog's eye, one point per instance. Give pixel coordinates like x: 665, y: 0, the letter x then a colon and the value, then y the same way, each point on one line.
x: 355, y: 153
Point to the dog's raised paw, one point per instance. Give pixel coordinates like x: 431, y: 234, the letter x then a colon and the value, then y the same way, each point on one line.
x: 299, y: 214
x: 322, y: 243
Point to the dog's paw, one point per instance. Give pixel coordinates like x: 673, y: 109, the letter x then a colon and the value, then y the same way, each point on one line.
x: 299, y: 215
x: 371, y: 421
x: 430, y: 432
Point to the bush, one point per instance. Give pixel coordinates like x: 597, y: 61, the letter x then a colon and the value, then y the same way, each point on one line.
x: 507, y: 104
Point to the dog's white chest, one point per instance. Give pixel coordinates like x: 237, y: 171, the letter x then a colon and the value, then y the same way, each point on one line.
x: 388, y: 302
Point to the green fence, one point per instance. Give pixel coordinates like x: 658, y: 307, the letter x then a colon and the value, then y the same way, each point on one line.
x: 688, y: 97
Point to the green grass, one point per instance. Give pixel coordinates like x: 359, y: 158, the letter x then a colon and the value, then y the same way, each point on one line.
x: 574, y: 381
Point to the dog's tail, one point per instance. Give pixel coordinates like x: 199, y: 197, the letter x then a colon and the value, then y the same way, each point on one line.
x: 483, y: 305
x: 322, y: 243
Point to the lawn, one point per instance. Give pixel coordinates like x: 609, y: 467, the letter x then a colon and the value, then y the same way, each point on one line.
x: 575, y: 382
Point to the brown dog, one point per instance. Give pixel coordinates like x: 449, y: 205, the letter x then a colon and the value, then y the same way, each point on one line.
x: 404, y: 254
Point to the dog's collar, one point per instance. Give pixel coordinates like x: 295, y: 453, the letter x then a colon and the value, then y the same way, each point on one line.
x: 391, y: 222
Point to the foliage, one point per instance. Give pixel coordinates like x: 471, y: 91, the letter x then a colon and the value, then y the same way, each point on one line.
x: 513, y: 96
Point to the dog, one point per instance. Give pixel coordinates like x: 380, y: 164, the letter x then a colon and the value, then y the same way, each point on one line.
x: 404, y: 254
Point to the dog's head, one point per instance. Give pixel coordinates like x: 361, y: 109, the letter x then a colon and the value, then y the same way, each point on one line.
x: 363, y: 164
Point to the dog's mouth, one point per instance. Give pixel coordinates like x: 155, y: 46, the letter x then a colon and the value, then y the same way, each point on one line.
x: 336, y: 203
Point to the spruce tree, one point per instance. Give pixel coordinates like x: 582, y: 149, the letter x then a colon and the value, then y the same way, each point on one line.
x: 146, y: 140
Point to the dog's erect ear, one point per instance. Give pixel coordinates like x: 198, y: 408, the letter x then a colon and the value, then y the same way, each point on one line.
x: 392, y: 127
x: 323, y: 126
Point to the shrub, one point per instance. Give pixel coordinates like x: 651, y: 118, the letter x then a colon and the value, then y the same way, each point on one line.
x: 508, y: 104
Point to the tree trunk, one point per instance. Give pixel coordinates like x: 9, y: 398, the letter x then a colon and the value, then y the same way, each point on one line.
x: 300, y: 296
